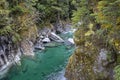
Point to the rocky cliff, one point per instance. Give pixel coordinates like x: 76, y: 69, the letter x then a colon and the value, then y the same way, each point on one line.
x: 91, y: 59
x: 17, y: 36
x: 97, y: 41
x: 10, y: 52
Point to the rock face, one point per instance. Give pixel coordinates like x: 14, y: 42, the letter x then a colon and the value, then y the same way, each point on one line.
x: 91, y: 59
x: 27, y: 47
x: 29, y: 38
x: 11, y: 52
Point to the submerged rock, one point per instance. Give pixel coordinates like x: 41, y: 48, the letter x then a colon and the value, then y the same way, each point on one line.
x: 39, y: 46
x: 51, y: 44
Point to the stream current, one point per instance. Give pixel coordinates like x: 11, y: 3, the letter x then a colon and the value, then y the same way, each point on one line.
x: 47, y: 65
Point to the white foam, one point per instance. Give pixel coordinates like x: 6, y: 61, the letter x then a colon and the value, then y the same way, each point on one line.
x: 57, y: 76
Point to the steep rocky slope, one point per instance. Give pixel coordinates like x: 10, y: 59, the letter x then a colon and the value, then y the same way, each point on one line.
x: 97, y: 41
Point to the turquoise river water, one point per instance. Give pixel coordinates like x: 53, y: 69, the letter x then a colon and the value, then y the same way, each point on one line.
x: 47, y: 65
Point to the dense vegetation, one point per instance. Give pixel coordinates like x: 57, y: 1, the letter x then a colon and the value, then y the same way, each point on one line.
x: 100, y: 28
x: 100, y: 18
x: 19, y: 15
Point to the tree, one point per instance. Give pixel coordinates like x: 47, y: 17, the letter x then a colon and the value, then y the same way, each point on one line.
x: 53, y: 10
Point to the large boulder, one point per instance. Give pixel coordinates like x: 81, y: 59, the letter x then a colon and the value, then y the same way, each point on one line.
x: 55, y: 37
x: 71, y: 40
x: 46, y: 40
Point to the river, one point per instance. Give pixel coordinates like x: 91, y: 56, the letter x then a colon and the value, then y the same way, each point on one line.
x: 47, y: 65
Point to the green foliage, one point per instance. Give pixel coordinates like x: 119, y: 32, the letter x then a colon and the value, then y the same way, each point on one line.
x: 16, y: 38
x: 117, y: 72
x: 83, y: 12
x: 17, y: 16
x: 54, y: 10
x: 106, y: 13
x: 110, y: 11
x: 6, y: 30
x: 18, y: 10
x: 4, y: 19
x: 18, y: 20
